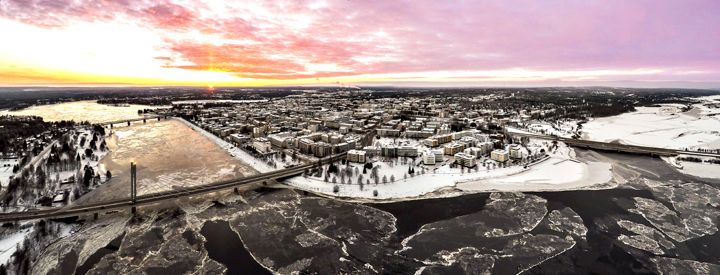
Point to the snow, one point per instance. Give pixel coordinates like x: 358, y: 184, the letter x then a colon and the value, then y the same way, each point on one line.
x: 404, y: 188
x: 561, y: 129
x: 9, y: 243
x: 6, y: 170
x: 649, y: 127
x: 558, y: 172
x: 554, y: 174
x: 703, y: 170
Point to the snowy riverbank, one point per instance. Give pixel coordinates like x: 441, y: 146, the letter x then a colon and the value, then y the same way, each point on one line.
x: 236, y: 152
x: 558, y: 172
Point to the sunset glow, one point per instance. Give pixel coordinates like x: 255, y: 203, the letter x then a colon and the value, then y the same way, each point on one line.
x: 454, y: 43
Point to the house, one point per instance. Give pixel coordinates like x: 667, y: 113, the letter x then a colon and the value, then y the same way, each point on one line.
x: 466, y: 160
x: 356, y: 156
x: 515, y: 151
x: 428, y: 158
x: 499, y: 155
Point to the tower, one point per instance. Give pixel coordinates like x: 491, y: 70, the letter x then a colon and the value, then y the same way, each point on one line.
x: 133, y: 184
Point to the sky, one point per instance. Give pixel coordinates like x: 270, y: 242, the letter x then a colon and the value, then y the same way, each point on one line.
x: 638, y: 43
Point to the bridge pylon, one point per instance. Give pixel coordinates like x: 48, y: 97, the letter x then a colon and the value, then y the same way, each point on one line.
x: 133, y: 185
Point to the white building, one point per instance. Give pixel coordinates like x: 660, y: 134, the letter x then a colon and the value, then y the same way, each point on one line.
x: 474, y: 151
x: 515, y: 151
x: 356, y: 156
x: 465, y: 159
x: 407, y: 151
x: 486, y: 147
x: 428, y: 158
x: 499, y: 155
x: 438, y: 155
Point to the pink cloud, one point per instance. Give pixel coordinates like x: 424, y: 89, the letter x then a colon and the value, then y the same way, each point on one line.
x: 284, y: 39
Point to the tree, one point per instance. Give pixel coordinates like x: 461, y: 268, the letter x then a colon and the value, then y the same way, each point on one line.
x: 88, y: 176
x: 332, y: 168
x: 336, y: 189
x: 40, y: 177
x: 108, y: 175
x: 392, y: 178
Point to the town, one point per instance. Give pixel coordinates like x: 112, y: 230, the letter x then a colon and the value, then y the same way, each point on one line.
x: 357, y: 145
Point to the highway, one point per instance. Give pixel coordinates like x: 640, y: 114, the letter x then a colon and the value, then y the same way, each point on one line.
x: 147, y: 199
x: 617, y: 147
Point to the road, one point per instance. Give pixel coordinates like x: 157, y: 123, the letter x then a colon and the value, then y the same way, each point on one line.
x: 258, y: 180
x: 617, y: 147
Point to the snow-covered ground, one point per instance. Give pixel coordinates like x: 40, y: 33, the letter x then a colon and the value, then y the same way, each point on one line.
x: 9, y: 243
x: 410, y: 187
x: 703, y: 170
x: 561, y: 129
x: 707, y: 101
x: 6, y: 170
x: 554, y: 174
x: 649, y: 126
x: 666, y: 127
x: 560, y: 171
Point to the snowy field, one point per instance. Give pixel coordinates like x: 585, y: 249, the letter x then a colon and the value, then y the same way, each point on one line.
x: 648, y: 126
x: 666, y: 127
x: 554, y: 174
x: 561, y: 129
x: 6, y: 170
x: 410, y: 187
x: 9, y: 243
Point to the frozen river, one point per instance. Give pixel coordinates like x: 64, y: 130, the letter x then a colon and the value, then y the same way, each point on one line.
x: 168, y: 155
x: 89, y: 111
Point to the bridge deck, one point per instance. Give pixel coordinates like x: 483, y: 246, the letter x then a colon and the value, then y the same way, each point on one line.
x: 77, y: 210
x: 617, y: 147
x: 131, y: 119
